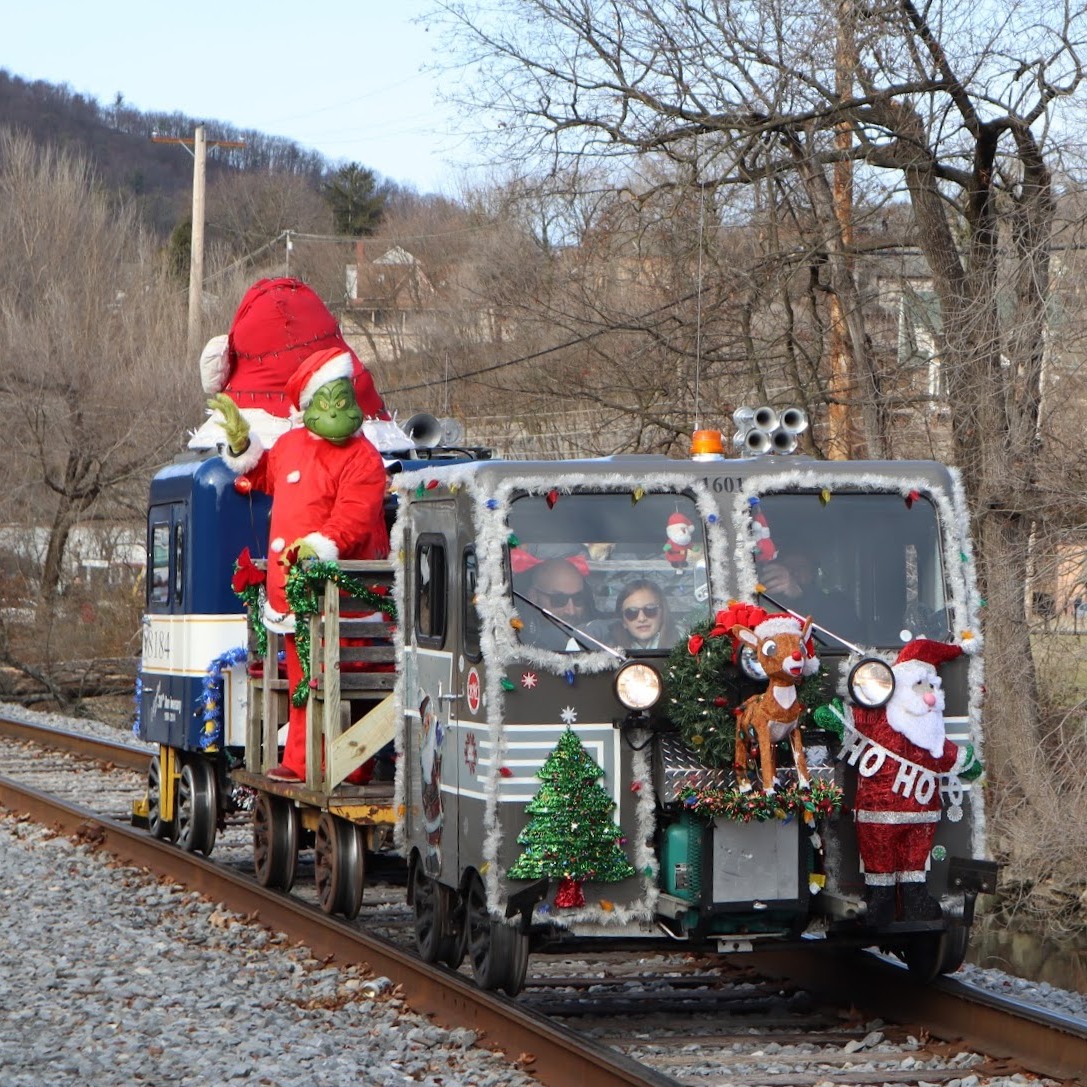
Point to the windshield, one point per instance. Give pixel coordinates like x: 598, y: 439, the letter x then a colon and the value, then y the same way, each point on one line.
x: 867, y: 566
x: 629, y: 573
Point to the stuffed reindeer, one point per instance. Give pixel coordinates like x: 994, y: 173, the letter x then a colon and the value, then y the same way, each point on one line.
x: 786, y: 654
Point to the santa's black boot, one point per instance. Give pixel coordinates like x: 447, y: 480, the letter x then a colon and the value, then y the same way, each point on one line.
x: 881, y: 905
x: 918, y: 904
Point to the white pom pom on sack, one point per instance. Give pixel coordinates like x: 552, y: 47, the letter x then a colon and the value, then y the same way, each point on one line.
x: 214, y: 365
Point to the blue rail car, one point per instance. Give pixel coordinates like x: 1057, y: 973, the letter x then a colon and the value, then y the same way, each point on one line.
x: 197, y: 525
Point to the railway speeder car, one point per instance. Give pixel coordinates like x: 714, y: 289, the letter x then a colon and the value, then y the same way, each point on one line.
x: 548, y: 788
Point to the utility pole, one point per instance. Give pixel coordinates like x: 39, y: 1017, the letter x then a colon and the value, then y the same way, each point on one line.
x: 198, y: 150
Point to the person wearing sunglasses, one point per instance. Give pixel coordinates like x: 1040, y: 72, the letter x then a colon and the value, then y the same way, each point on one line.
x: 641, y: 618
x: 558, y: 586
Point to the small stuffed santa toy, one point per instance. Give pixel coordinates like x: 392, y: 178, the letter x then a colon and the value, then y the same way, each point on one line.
x: 905, y: 763
x: 680, y: 533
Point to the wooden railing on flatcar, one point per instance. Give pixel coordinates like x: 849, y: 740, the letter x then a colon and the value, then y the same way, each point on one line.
x: 349, y: 711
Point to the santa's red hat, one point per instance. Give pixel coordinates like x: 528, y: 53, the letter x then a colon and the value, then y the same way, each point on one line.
x: 678, y: 518
x: 926, y: 651
x: 319, y: 369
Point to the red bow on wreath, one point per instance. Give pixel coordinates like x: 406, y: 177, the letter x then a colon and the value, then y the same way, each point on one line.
x: 246, y: 573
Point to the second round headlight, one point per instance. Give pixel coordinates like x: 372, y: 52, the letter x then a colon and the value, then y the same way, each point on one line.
x: 638, y: 686
x: 871, y: 683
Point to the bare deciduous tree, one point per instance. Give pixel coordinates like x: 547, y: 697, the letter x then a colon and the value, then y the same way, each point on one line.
x: 941, y: 104
x: 91, y: 331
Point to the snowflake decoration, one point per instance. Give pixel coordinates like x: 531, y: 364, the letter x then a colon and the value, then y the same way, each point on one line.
x: 471, y: 752
x: 528, y: 680
x: 568, y: 715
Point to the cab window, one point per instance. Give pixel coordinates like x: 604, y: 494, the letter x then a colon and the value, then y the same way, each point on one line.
x: 159, y: 582
x: 615, y: 569
x: 471, y: 623
x: 430, y: 590
x: 867, y: 566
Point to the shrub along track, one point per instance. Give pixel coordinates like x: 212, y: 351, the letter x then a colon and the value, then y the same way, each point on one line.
x: 770, y: 1018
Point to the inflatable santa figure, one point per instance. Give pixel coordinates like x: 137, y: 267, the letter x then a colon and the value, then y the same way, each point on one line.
x: 327, y: 483
x: 905, y: 765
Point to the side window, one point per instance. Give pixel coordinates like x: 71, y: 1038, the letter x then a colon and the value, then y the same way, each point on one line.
x: 471, y: 623
x: 179, y: 565
x: 430, y: 592
x: 159, y: 582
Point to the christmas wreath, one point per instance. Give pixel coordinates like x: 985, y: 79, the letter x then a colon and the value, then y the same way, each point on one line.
x: 705, y: 686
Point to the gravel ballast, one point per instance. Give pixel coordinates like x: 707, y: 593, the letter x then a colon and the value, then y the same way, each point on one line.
x: 112, y: 978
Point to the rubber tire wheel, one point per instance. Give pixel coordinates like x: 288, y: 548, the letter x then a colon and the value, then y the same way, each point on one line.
x: 197, y: 807
x: 436, y: 937
x: 275, y: 841
x: 339, y: 866
x: 498, y: 952
x: 158, y: 826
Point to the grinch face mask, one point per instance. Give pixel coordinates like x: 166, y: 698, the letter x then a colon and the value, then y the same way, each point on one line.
x: 333, y: 413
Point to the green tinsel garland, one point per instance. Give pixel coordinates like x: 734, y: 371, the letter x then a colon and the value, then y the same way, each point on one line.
x: 703, y: 689
x: 305, y: 595
x: 824, y: 799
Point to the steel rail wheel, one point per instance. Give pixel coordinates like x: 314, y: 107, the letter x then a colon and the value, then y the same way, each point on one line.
x: 159, y: 827
x: 437, y: 936
x: 499, y: 953
x: 197, y: 807
x: 275, y: 841
x: 338, y: 865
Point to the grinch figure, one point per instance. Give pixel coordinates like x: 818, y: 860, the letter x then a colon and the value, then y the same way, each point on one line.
x: 905, y: 766
x: 327, y: 484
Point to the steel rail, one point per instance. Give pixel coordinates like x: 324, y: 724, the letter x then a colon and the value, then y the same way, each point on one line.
x: 75, y: 743
x: 552, y: 1053
x: 1044, y: 1042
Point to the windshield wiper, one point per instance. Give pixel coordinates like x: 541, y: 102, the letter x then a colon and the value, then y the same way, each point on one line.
x: 577, y: 632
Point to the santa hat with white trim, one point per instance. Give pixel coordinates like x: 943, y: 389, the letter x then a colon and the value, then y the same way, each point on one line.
x: 922, y: 652
x: 319, y: 369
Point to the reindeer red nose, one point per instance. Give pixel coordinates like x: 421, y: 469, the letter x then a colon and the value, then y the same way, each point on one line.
x: 797, y: 655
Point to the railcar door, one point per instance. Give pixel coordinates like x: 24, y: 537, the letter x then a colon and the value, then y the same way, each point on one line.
x: 431, y: 691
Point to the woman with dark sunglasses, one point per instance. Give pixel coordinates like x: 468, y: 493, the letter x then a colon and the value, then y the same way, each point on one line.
x: 641, y: 618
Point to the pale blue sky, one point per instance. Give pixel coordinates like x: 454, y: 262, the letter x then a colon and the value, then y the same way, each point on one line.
x: 346, y: 81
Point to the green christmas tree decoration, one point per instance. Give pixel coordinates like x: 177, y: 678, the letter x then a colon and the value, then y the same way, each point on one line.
x: 571, y: 834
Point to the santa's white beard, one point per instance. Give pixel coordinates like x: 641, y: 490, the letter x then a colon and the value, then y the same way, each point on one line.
x: 925, y: 729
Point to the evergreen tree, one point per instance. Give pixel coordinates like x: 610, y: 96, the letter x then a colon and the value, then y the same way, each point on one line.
x: 357, y: 199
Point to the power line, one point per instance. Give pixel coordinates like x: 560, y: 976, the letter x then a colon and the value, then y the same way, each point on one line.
x: 548, y: 350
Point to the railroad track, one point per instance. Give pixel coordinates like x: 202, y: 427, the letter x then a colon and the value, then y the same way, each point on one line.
x: 625, y: 1016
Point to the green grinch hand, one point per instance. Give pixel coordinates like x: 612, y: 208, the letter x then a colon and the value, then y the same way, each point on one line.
x: 831, y: 717
x: 300, y: 551
x: 234, y: 423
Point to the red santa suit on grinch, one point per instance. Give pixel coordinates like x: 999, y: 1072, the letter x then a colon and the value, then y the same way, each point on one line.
x: 903, y: 760
x: 329, y: 495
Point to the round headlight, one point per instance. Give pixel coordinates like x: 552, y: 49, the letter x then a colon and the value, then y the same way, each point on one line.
x: 871, y: 683
x: 749, y: 664
x: 638, y: 686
